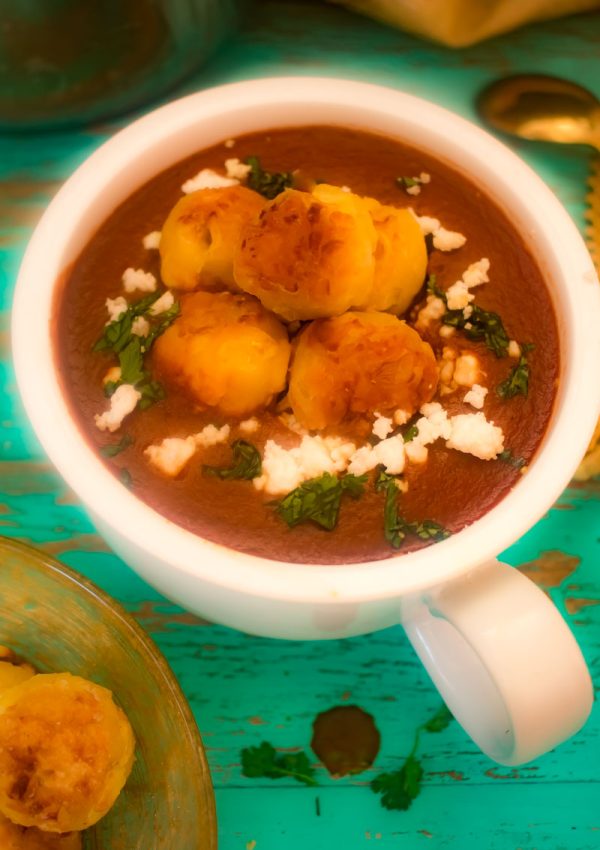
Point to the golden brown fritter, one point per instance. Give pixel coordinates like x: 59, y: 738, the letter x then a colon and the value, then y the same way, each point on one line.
x: 66, y: 751
x: 227, y: 351
x: 309, y: 254
x: 352, y: 365
x: 13, y: 837
x: 200, y: 236
x: 13, y: 674
x: 400, y: 258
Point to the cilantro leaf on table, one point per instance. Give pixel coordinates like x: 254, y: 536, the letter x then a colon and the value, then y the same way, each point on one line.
x: 269, y: 184
x: 264, y: 761
x: 400, y: 787
x: 113, y: 449
x: 247, y: 463
x: 440, y: 720
x: 319, y: 499
x: 517, y: 382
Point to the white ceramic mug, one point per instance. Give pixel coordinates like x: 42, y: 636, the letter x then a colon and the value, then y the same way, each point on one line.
x: 495, y: 646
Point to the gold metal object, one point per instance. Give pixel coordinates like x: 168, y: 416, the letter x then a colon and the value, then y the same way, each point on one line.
x: 549, y: 109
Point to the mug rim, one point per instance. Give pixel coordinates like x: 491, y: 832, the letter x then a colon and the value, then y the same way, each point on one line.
x: 567, y: 434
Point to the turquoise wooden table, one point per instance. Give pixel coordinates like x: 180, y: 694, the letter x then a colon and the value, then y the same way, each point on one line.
x: 244, y: 690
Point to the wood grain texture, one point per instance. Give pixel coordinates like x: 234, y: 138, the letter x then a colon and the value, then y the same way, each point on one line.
x: 245, y: 689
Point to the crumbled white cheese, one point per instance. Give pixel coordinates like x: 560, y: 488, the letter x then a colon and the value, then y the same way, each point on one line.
x: 468, y: 311
x: 382, y: 426
x: 448, y: 240
x: 290, y: 421
x: 229, y: 143
x: 345, y: 188
x: 473, y: 434
x: 427, y: 223
x: 424, y: 177
x: 162, y: 304
x: 122, y: 402
x: 138, y: 279
x: 285, y: 469
x: 140, y: 326
x: 466, y: 370
x: 401, y: 417
x: 210, y: 435
x: 113, y: 375
x: 416, y: 452
x: 249, y: 426
x: 151, y: 241
x: 446, y: 331
x: 433, y: 310
x: 116, y: 307
x: 413, y: 190
x: 172, y: 454
x: 476, y: 396
x: 388, y: 453
x: 236, y: 169
x: 443, y: 240
x: 432, y: 425
x: 514, y: 349
x: 459, y: 296
x: 207, y: 179
x: 402, y: 484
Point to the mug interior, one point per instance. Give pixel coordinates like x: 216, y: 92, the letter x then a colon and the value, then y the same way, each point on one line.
x: 175, y: 131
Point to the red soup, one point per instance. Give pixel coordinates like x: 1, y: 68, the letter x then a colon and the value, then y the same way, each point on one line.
x: 314, y: 345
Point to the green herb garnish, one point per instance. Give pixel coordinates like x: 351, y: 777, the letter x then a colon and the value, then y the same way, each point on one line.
x: 400, y: 787
x: 396, y: 528
x: 125, y: 478
x: 517, y: 382
x: 480, y: 325
x: 264, y: 761
x: 507, y: 457
x: 407, y: 182
x: 131, y: 349
x: 410, y: 433
x: 246, y: 463
x: 113, y: 449
x: 319, y: 499
x: 269, y: 184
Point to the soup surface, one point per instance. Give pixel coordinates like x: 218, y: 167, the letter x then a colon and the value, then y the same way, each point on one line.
x: 479, y: 371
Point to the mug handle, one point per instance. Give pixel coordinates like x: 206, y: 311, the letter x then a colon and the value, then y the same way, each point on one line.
x: 504, y: 660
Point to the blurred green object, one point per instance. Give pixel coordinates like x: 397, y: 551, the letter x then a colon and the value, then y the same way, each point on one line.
x: 60, y: 622
x: 73, y: 61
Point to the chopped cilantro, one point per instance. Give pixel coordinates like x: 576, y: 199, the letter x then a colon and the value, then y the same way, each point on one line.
x: 267, y: 183
x: 396, y: 528
x: 517, y: 382
x: 319, y: 499
x: 113, y: 449
x: 125, y: 478
x: 407, y: 182
x: 410, y: 433
x: 440, y: 720
x: 480, y: 325
x: 131, y: 349
x: 263, y: 761
x: 507, y: 457
x: 246, y: 463
x: 400, y: 787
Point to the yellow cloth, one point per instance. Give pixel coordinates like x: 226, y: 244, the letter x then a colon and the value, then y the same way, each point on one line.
x: 459, y: 23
